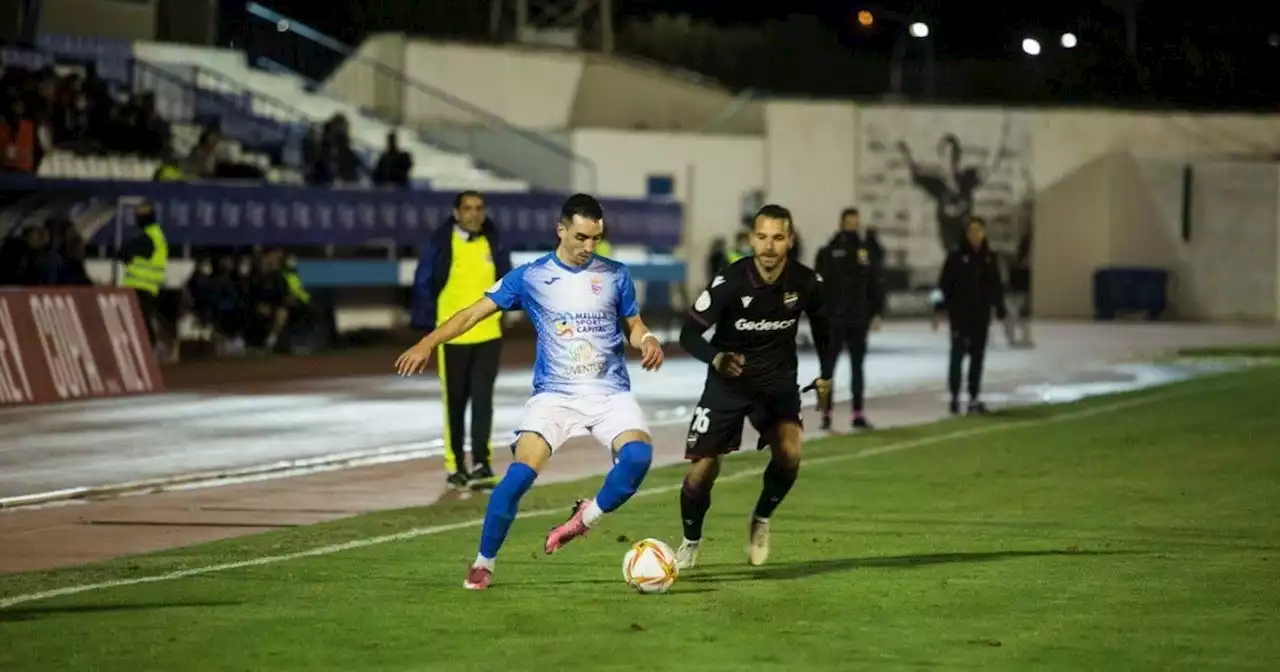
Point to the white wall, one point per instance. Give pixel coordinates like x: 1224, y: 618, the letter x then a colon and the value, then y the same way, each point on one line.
x: 811, y: 165
x: 1235, y: 232
x: 538, y: 88
x: 368, y: 80
x: 529, y: 88
x: 711, y: 173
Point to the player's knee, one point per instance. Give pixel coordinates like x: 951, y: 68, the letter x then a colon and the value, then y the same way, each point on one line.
x: 703, y: 471
x: 789, y: 446
x: 635, y: 457
x: 531, y: 450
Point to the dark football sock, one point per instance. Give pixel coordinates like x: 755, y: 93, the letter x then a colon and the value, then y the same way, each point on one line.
x: 778, y: 479
x: 695, y: 501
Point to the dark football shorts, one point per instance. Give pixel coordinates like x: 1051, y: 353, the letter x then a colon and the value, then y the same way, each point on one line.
x: 716, y: 427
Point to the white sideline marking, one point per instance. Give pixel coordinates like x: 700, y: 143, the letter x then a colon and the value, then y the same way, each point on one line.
x: 647, y: 492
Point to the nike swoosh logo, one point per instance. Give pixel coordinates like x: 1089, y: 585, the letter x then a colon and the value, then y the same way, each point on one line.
x: 547, y: 282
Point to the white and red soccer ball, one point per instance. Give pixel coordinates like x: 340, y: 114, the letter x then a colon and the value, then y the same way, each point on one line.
x: 650, y: 566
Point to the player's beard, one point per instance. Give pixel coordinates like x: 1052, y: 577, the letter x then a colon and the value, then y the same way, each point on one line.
x: 771, y: 262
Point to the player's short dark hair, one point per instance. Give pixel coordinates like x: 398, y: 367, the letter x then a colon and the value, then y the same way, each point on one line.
x: 581, y: 205
x: 457, y: 200
x: 846, y: 212
x: 772, y: 211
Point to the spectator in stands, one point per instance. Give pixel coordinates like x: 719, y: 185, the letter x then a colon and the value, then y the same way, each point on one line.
x: 69, y: 121
x: 336, y: 161
x: 202, y: 294
x: 148, y: 131
x: 66, y: 259
x: 202, y: 162
x: 394, y: 166
x: 72, y: 270
x: 24, y: 260
x: 229, y: 308
x: 18, y: 141
x: 169, y: 170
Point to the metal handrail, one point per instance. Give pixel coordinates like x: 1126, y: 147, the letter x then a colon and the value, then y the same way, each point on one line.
x: 243, y: 108
x: 254, y: 94
x: 328, y: 42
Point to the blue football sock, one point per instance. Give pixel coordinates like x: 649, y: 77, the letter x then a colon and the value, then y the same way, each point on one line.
x: 626, y: 475
x: 503, y: 503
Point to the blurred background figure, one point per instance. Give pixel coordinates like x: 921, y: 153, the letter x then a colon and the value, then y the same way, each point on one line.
x: 969, y: 289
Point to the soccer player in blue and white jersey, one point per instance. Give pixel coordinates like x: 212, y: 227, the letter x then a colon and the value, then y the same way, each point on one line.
x: 576, y: 301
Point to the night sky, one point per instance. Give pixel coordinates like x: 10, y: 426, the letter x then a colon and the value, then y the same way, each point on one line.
x: 990, y: 29
x: 1206, y: 54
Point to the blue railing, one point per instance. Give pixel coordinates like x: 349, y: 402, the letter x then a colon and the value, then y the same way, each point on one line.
x: 540, y: 160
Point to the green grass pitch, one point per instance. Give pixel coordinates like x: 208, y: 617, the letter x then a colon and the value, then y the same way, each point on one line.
x: 1131, y: 532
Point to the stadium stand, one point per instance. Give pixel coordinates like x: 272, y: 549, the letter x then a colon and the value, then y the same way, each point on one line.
x: 193, y: 89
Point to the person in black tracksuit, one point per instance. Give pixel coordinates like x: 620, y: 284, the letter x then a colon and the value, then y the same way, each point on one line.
x: 854, y: 303
x: 970, y: 288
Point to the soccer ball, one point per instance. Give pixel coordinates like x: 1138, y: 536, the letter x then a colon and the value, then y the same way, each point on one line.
x: 650, y: 566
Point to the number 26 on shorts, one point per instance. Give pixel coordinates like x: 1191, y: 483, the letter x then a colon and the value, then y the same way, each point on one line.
x: 701, y: 420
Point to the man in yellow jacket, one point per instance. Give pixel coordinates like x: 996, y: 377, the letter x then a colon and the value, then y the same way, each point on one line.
x: 461, y: 260
x: 146, y: 258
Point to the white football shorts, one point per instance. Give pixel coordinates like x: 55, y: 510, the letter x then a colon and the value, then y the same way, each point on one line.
x: 560, y: 417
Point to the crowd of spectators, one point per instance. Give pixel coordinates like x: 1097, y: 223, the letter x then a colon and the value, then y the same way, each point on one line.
x: 242, y: 300
x: 44, y: 255
x: 76, y: 110
x: 41, y: 110
x: 245, y: 302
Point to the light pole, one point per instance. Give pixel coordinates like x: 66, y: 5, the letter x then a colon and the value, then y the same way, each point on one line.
x: 915, y: 30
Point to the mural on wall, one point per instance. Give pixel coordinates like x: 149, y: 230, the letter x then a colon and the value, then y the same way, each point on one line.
x: 923, y: 172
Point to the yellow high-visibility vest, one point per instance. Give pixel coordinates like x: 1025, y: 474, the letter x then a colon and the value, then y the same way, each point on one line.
x: 147, y: 274
x: 470, y: 274
x: 295, y: 287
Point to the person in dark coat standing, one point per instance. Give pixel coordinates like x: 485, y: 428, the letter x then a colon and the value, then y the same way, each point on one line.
x: 854, y: 302
x: 969, y: 289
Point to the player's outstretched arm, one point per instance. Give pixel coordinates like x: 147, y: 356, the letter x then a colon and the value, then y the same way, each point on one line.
x: 640, y: 338
x: 414, y: 360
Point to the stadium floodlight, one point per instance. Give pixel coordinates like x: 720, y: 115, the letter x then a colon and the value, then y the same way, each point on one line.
x: 1031, y: 46
x: 919, y: 29
x: 1069, y: 41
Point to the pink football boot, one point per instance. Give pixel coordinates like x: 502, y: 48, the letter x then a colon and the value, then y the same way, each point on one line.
x: 569, y: 530
x: 478, y: 578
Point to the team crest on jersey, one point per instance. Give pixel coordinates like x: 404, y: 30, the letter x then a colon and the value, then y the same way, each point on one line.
x: 597, y: 285
x: 864, y: 257
x: 703, y: 302
x: 789, y: 299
